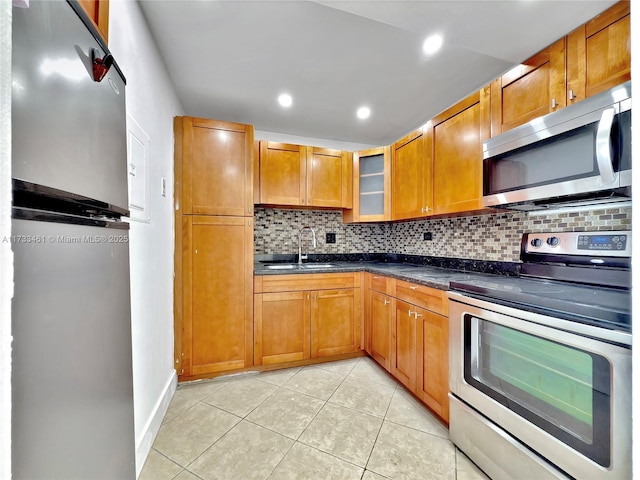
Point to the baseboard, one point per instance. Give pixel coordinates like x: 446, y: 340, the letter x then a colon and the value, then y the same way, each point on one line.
x: 143, y: 447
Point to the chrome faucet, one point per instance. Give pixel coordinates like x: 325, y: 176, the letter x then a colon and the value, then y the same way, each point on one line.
x: 300, y: 256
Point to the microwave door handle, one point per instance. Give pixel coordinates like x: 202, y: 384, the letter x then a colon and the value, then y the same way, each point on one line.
x: 603, y: 146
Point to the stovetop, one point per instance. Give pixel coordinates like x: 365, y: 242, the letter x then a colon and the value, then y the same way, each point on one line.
x: 577, y: 276
x: 599, y: 306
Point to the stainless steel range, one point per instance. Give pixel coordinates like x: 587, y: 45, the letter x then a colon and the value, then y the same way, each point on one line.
x: 540, y: 371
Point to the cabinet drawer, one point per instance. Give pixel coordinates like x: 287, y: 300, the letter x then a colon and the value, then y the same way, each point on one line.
x: 312, y: 281
x: 426, y: 297
x: 379, y: 283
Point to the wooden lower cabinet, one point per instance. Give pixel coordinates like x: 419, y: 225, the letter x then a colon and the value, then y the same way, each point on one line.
x: 292, y: 324
x: 403, y: 345
x: 335, y: 322
x: 432, y: 338
x: 216, y: 323
x: 281, y: 327
x: 407, y: 333
x: 380, y: 309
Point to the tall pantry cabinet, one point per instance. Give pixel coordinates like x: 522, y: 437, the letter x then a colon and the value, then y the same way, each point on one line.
x: 213, y: 284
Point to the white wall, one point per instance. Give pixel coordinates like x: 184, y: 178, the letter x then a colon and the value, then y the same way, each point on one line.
x: 152, y: 103
x: 6, y: 257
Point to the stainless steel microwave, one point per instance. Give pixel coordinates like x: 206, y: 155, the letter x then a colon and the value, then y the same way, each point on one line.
x: 580, y: 155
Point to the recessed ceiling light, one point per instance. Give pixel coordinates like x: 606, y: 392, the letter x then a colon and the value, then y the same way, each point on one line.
x: 363, y: 112
x: 285, y: 100
x: 432, y: 44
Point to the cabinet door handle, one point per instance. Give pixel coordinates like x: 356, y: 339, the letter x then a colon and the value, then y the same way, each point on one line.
x: 386, y: 302
x: 554, y: 103
x: 571, y: 94
x: 413, y: 288
x: 315, y: 297
x: 411, y: 313
x: 418, y: 314
x: 308, y: 297
x: 425, y: 210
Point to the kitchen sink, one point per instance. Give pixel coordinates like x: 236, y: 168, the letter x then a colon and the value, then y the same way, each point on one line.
x: 294, y: 266
x: 281, y: 266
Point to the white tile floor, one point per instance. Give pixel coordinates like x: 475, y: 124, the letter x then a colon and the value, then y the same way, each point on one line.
x: 341, y: 420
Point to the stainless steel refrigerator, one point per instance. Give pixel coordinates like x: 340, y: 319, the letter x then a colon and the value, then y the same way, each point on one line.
x: 72, y: 413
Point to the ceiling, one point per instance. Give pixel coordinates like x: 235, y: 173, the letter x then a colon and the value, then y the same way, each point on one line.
x: 229, y: 60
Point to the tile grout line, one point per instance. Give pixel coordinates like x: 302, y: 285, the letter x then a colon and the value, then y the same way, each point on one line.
x: 379, y: 430
x: 305, y: 428
x: 220, y: 438
x: 232, y: 427
x: 311, y: 421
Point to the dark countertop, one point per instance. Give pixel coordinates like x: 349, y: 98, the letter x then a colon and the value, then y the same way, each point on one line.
x: 419, y: 273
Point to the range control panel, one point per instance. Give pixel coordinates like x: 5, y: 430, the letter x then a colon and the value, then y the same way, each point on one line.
x: 603, y: 244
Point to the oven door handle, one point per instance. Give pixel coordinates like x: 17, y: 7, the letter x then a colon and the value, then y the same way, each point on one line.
x: 603, y: 147
x: 516, y: 315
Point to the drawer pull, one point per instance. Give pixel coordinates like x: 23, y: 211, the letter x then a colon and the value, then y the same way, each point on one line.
x: 413, y: 288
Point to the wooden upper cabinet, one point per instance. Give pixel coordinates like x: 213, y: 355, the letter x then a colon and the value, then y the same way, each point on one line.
x: 283, y: 173
x: 217, y: 296
x: 217, y: 167
x: 458, y: 134
x: 534, y: 88
x: 411, y: 195
x: 599, y: 53
x: 329, y: 178
x: 371, y: 186
x: 297, y: 175
x: 98, y: 11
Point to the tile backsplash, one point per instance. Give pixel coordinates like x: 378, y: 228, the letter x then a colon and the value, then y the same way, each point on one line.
x: 485, y: 237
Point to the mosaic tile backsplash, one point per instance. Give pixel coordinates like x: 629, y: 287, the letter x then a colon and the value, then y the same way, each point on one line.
x: 494, y: 237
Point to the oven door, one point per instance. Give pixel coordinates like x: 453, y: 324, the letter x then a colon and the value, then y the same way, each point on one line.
x: 565, y: 396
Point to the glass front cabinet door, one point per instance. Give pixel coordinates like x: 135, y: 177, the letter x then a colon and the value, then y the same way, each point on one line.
x: 371, y: 186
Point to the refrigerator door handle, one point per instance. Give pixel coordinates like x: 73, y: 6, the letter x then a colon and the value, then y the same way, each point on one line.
x: 100, y: 65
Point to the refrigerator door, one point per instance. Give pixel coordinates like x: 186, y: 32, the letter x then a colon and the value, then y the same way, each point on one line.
x: 72, y: 376
x: 69, y: 132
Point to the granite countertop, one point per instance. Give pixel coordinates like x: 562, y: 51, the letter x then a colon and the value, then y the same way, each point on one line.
x: 429, y: 271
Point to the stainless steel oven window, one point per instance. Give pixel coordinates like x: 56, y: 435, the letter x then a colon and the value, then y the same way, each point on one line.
x: 561, y: 389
